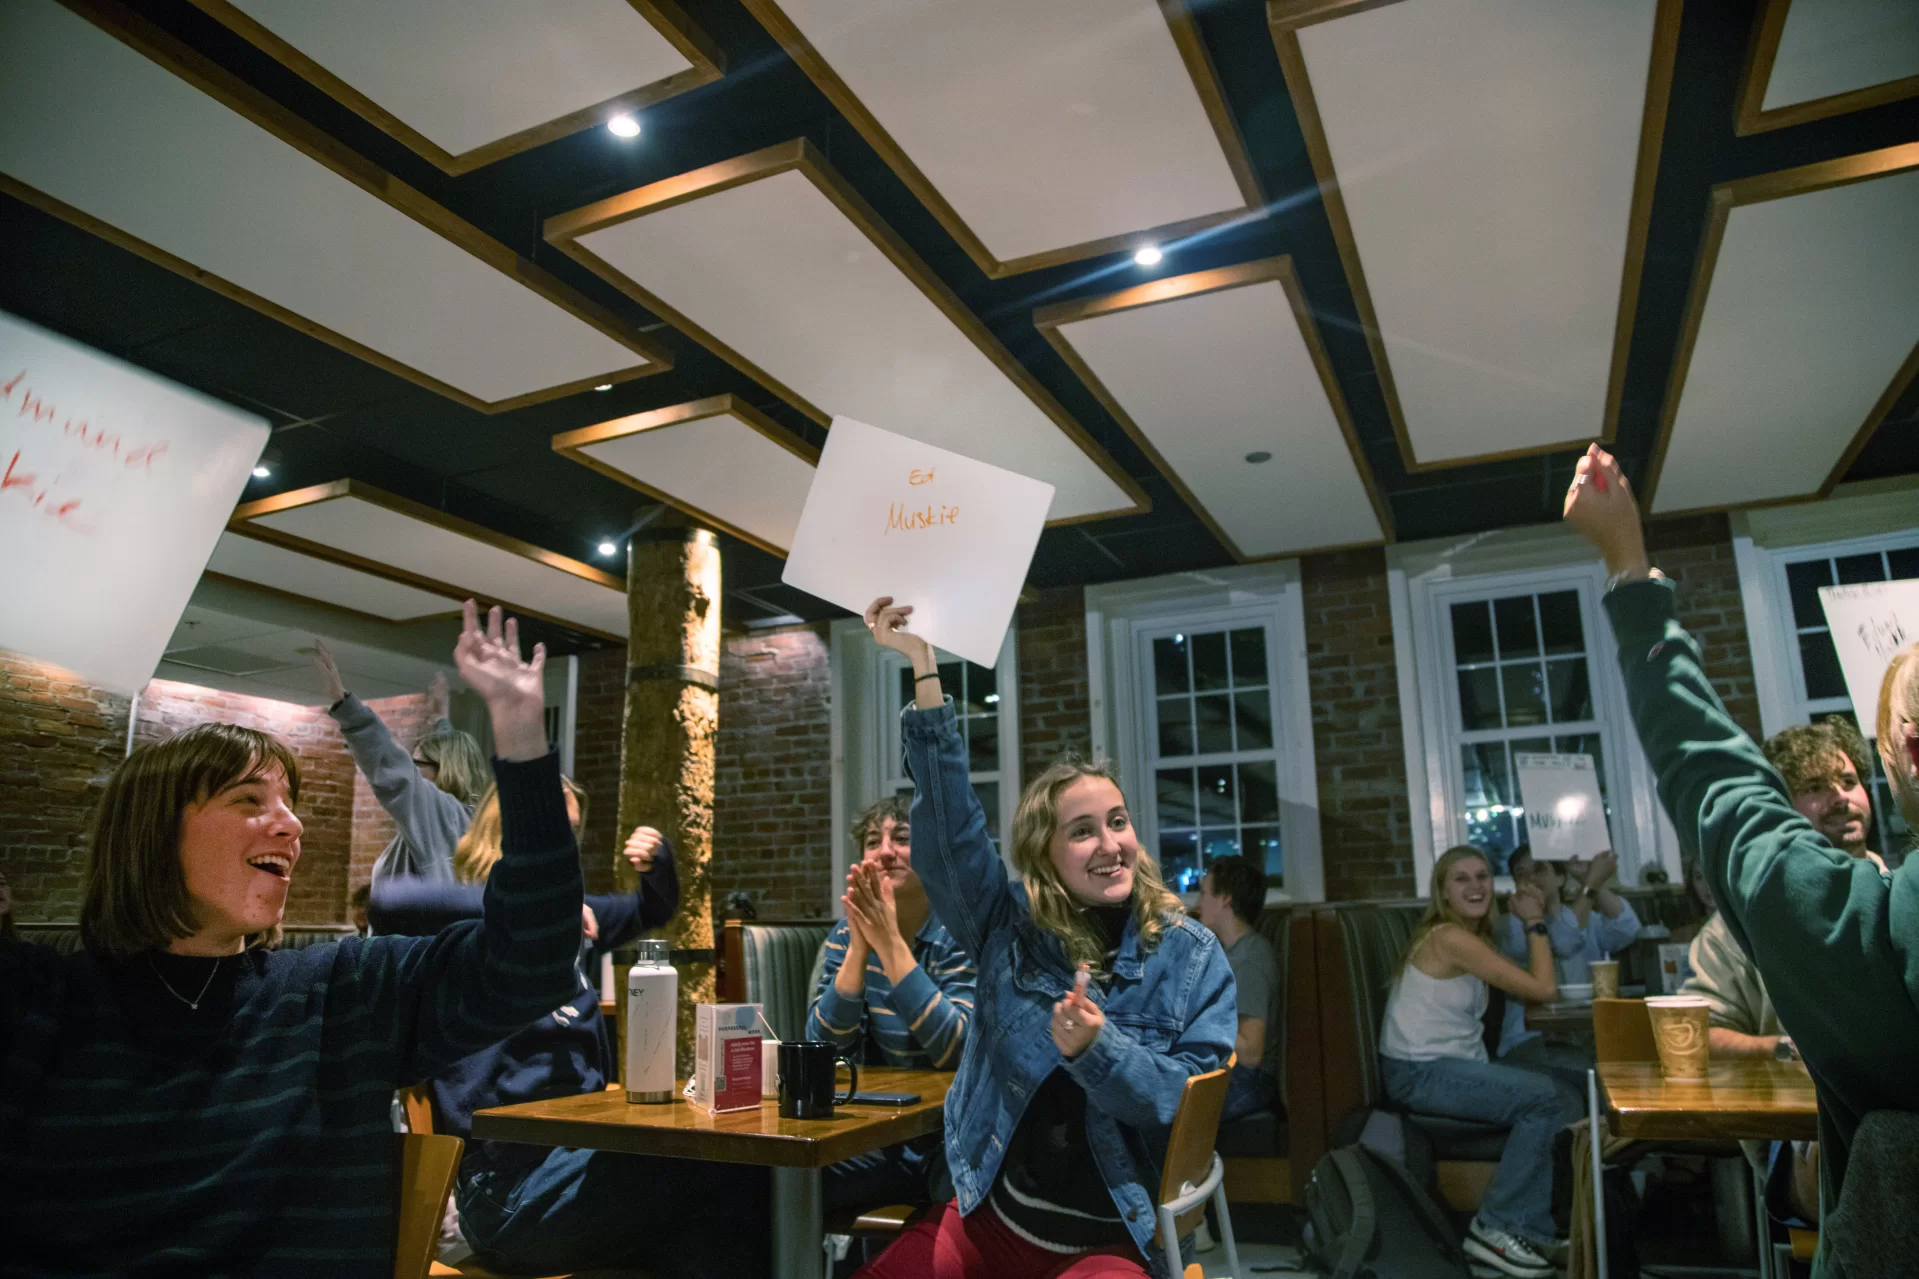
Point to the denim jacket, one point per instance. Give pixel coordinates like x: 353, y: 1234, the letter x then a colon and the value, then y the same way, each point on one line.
x: 1170, y: 1014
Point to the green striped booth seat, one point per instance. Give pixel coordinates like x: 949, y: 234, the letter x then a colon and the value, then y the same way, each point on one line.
x: 1257, y: 1149
x: 775, y: 964
x: 65, y: 937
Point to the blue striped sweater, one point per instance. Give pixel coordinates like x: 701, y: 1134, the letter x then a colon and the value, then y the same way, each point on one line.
x: 141, y: 1138
x: 917, y: 1024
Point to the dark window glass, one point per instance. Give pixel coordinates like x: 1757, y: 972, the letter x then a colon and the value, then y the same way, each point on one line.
x: 1213, y: 717
x: 1249, y: 657
x: 982, y: 690
x: 1258, y: 793
x: 1570, y: 689
x: 1255, y: 712
x: 1218, y: 805
x: 1525, y: 688
x: 1215, y: 844
x: 906, y: 686
x: 1903, y: 562
x: 1169, y: 664
x: 1513, y: 619
x: 1484, y: 768
x: 1262, y: 845
x: 1821, y: 663
x: 1175, y: 787
x: 1209, y: 662
x: 1472, y: 633
x: 1804, y: 580
x: 1559, y: 623
x: 1179, y: 859
x: 1175, y: 726
x: 982, y: 743
x: 1854, y: 569
x: 1479, y: 698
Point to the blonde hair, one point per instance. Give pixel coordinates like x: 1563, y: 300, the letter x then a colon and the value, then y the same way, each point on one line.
x: 1440, y: 911
x: 1898, y: 707
x: 479, y: 848
x: 1035, y: 821
x: 463, y: 771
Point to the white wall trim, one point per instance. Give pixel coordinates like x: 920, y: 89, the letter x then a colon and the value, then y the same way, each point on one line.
x: 1412, y: 733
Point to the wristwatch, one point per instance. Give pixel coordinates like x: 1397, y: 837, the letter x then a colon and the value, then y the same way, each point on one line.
x: 1536, y: 928
x: 1629, y: 575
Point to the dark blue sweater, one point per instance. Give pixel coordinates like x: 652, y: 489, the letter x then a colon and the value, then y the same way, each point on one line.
x: 139, y: 1137
x: 567, y: 1051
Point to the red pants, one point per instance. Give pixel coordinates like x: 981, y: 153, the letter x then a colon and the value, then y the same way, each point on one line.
x: 944, y: 1245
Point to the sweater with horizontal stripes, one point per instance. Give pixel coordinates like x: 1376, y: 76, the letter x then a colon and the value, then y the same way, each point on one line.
x: 916, y: 1025
x: 142, y: 1137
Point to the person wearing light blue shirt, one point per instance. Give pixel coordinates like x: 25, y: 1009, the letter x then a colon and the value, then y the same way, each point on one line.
x: 1594, y: 925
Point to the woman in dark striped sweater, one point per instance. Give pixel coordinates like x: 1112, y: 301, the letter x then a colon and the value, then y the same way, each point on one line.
x: 178, y: 1098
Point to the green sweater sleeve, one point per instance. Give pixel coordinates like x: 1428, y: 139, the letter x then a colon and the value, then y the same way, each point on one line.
x: 1837, y: 942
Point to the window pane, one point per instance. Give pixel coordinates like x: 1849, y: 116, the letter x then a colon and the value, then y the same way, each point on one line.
x: 1175, y: 726
x: 1179, y: 859
x: 1853, y: 569
x: 1209, y: 661
x: 1472, y: 632
x: 982, y: 743
x: 1483, y: 769
x: 1479, y: 698
x: 1215, y: 844
x: 1804, y: 580
x: 1249, y: 656
x: 1175, y: 787
x: 1570, y: 689
x: 982, y: 691
x: 1821, y: 662
x: 1169, y: 664
x: 1513, y: 620
x: 1903, y: 562
x: 1217, y: 803
x: 1261, y: 843
x: 988, y: 793
x: 1525, y: 687
x: 1538, y: 745
x: 1255, y: 711
x: 906, y: 686
x: 1496, y: 836
x: 1559, y: 623
x: 1213, y: 717
x: 1258, y: 793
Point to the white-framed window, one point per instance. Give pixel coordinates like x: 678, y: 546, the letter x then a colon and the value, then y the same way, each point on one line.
x: 1199, y: 694
x: 870, y: 686
x: 1503, y: 648
x: 1795, y: 666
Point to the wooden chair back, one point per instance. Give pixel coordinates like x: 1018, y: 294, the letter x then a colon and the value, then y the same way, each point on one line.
x: 1189, y: 1148
x: 427, y: 1165
x: 1622, y: 1031
x: 418, y: 1104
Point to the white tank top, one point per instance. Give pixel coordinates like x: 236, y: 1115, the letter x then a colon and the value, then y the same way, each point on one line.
x: 1432, y: 1017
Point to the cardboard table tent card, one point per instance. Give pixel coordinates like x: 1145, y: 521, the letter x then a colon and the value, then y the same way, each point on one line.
x: 1565, y: 816
x: 114, y: 486
x: 951, y: 536
x: 1870, y: 622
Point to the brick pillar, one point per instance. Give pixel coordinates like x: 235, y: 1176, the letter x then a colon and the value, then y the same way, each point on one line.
x: 671, y: 729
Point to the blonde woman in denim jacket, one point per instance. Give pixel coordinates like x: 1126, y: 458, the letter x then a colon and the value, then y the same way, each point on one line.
x: 1056, y: 1122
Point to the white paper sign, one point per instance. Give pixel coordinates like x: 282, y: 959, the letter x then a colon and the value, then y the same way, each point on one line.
x: 1564, y: 814
x: 114, y: 486
x: 1870, y: 622
x: 951, y: 536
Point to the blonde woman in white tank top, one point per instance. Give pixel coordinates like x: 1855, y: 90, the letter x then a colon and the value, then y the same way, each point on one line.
x: 1433, y: 1054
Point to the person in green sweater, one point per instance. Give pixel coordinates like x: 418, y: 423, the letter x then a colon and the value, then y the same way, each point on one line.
x: 1835, y: 937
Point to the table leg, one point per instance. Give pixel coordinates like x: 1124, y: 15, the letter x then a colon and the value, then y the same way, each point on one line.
x: 798, y: 1224
x: 1762, y: 1235
x: 1595, y: 1132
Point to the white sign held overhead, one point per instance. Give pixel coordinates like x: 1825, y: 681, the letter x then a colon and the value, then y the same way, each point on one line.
x: 1565, y: 816
x: 951, y: 536
x: 114, y: 486
x: 1870, y: 622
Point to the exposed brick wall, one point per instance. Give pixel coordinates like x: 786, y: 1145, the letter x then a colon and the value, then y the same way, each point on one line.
x: 372, y: 829
x: 1696, y: 552
x: 1365, y: 818
x: 773, y: 825
x: 1055, y: 713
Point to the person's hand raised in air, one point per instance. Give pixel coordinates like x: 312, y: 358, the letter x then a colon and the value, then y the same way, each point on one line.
x: 330, y: 682
x: 1600, y: 504
x: 888, y: 622
x: 514, y: 690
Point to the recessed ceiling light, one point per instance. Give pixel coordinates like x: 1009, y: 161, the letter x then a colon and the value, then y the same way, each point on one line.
x: 1148, y: 256
x: 1259, y: 455
x: 623, y: 126
x: 607, y: 548
x: 604, y: 386
x: 262, y: 472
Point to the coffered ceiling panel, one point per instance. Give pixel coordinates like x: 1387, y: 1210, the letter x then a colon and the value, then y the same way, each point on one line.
x: 196, y: 171
x: 265, y: 564
x: 1493, y: 164
x: 719, y: 459
x: 1036, y: 133
x: 1820, y: 58
x: 1222, y: 379
x: 1802, y: 330
x: 467, y: 82
x: 360, y: 527
x: 776, y: 265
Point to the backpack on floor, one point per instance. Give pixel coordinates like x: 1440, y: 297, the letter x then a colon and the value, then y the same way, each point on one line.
x: 1366, y: 1219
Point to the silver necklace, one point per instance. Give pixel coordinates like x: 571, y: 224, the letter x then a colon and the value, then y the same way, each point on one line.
x: 193, y: 1003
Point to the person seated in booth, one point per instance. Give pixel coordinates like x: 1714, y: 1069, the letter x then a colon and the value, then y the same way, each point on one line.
x: 1433, y: 1059
x: 178, y: 1097
x: 1231, y: 895
x: 1832, y: 934
x: 356, y: 909
x: 430, y: 794
x: 1057, y: 1121
x: 894, y: 979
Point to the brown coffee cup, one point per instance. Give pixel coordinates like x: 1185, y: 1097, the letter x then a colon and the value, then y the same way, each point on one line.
x: 1605, y: 978
x: 1681, y: 1029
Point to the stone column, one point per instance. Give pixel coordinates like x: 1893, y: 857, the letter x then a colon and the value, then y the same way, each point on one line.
x: 671, y: 731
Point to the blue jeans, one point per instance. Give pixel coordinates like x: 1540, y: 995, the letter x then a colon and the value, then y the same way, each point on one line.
x: 528, y: 1211
x: 1249, y: 1090
x: 1534, y: 1104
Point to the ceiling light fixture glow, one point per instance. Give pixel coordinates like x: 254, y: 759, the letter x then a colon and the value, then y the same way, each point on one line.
x: 607, y: 548
x: 604, y: 386
x: 623, y: 126
x: 262, y: 472
x: 1148, y: 256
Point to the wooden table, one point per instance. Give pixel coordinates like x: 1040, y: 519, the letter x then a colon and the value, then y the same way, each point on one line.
x: 1755, y: 1099
x: 795, y: 1149
x: 1561, y: 1015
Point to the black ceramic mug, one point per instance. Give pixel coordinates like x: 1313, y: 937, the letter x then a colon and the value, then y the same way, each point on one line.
x: 806, y: 1080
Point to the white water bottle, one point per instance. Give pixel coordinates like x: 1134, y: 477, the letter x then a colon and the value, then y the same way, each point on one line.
x: 652, y: 1025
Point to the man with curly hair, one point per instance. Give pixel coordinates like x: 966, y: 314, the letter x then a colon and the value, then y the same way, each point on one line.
x: 1826, y: 766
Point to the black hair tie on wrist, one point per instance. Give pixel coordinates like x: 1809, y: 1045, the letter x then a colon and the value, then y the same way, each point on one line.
x: 929, y: 675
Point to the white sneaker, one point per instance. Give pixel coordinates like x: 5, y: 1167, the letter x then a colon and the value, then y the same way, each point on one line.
x: 1505, y: 1252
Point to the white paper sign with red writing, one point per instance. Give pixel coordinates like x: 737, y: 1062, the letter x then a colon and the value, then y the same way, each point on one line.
x: 951, y: 536
x: 1870, y: 622
x: 114, y: 486
x: 1564, y: 815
